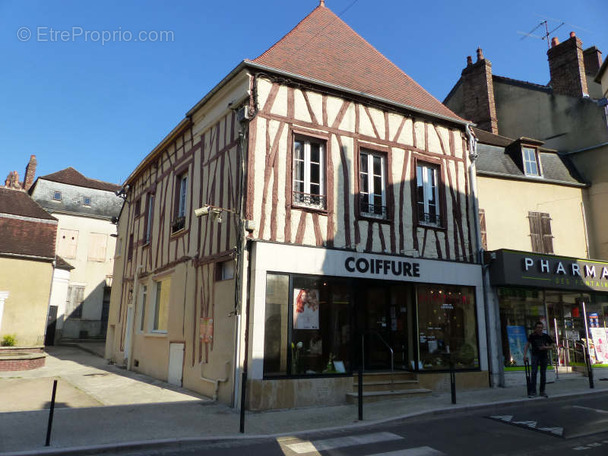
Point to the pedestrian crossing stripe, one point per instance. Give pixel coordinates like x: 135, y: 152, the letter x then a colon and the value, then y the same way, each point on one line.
x: 330, y: 444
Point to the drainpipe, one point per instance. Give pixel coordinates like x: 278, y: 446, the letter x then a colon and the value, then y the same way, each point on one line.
x: 493, y: 350
x: 585, y: 229
x: 216, y: 382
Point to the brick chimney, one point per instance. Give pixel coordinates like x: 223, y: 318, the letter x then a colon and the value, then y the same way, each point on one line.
x: 478, y: 88
x: 567, y: 67
x: 593, y: 60
x: 12, y: 180
x: 30, y: 173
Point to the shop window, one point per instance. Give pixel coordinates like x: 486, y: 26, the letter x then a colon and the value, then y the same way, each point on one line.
x: 447, y: 327
x: 161, y: 305
x: 307, y: 328
x: 309, y: 172
x: 427, y: 194
x: 540, y: 232
x: 372, y: 185
x: 520, y: 309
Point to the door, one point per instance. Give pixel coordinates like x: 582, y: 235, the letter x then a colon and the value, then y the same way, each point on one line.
x: 382, y: 318
x: 176, y: 363
x: 51, y: 325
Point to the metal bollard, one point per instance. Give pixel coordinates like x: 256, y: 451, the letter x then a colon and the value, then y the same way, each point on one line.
x: 453, y: 381
x: 51, y: 412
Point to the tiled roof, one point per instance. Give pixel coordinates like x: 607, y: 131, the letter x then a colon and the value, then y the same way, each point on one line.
x: 72, y: 177
x: 25, y: 236
x: 322, y: 47
x: 18, y: 202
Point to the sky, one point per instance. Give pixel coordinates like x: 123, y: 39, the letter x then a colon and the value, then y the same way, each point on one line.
x: 97, y: 85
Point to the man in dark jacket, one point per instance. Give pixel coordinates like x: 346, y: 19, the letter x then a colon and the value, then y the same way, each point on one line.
x: 539, y: 344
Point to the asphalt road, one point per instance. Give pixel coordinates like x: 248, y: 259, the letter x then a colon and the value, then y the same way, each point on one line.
x: 576, y: 426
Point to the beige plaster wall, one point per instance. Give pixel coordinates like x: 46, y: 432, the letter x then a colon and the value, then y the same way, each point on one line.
x: 25, y: 309
x: 507, y: 203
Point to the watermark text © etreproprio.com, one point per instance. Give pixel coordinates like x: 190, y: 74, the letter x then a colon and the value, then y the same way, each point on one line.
x: 75, y: 34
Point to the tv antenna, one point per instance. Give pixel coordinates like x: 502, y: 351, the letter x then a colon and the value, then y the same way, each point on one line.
x: 542, y: 37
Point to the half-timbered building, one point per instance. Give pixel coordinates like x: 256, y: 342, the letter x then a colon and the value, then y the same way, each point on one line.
x: 311, y: 215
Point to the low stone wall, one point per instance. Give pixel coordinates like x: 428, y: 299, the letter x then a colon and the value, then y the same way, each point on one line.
x: 21, y: 358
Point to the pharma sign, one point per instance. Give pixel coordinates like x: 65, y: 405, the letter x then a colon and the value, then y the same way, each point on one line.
x: 512, y: 268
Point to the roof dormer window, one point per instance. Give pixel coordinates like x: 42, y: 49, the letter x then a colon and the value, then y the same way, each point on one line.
x: 531, y: 161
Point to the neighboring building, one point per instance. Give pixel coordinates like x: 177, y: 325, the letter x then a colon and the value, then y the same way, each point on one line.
x: 540, y: 199
x: 27, y: 254
x: 315, y: 195
x: 85, y: 209
x: 568, y: 115
x: 531, y: 209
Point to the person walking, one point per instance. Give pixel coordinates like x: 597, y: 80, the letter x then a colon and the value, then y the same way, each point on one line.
x: 539, y: 344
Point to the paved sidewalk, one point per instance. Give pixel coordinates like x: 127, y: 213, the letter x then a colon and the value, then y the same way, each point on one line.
x: 103, y: 407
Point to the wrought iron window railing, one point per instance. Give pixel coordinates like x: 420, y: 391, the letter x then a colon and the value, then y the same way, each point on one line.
x: 309, y: 199
x: 429, y: 219
x: 373, y: 210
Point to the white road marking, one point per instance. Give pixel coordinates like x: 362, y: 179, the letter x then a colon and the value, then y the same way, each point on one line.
x: 506, y: 418
x: 419, y: 451
x: 590, y: 408
x: 330, y: 444
x: 553, y: 430
x: 530, y: 424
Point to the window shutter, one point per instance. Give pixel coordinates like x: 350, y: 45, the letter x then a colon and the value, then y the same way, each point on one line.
x: 535, y: 231
x: 547, y: 237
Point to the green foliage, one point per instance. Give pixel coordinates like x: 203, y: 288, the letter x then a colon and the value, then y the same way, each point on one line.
x: 9, y: 341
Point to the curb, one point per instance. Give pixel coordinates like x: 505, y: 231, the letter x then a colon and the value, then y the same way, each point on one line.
x: 186, y: 443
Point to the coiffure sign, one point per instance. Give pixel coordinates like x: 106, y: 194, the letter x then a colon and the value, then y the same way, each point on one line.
x: 546, y: 271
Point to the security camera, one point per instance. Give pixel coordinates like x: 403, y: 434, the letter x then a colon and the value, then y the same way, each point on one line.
x: 201, y: 211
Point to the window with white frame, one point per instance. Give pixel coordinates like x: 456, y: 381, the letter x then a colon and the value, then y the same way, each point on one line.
x: 372, y: 184
x: 531, y: 161
x: 161, y: 305
x: 309, y: 172
x: 427, y: 194
x: 144, y: 302
x: 181, y: 191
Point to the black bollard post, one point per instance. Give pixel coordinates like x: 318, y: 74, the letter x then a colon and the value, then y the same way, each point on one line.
x: 589, y: 370
x: 51, y: 412
x: 243, y: 393
x: 360, y: 382
x: 453, y: 381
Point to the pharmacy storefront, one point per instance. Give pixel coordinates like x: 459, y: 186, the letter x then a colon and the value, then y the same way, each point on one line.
x: 317, y: 314
x: 568, y: 295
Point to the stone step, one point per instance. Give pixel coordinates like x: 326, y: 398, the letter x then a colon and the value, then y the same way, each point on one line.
x: 385, y: 385
x: 386, y: 376
x: 375, y: 396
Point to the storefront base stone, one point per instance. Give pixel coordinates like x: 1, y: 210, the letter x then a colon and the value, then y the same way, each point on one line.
x: 440, y: 382
x: 294, y: 393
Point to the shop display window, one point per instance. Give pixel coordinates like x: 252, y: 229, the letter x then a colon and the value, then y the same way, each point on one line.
x: 307, y: 328
x: 520, y: 309
x: 447, y: 325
